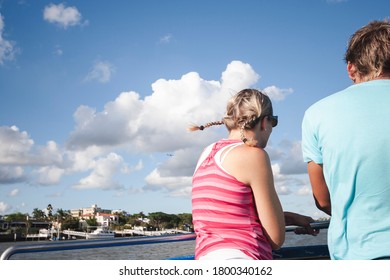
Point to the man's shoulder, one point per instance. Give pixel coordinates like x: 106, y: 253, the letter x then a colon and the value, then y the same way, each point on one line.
x: 328, y: 101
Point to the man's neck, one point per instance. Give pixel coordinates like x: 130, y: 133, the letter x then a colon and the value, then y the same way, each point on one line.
x: 383, y: 76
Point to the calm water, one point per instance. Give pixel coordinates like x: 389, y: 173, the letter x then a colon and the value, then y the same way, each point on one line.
x: 140, y: 252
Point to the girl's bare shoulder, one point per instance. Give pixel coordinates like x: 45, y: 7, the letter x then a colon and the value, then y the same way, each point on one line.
x: 246, y: 155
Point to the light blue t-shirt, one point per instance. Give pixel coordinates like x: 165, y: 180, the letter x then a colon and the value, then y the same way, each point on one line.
x: 349, y: 133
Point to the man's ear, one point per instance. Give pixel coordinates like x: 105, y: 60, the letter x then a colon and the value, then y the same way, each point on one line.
x: 352, y: 73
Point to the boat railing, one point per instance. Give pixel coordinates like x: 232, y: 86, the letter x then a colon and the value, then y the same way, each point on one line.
x: 123, y: 241
x: 314, y: 225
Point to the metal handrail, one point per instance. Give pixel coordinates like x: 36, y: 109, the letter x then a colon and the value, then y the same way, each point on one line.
x: 314, y: 225
x: 124, y: 241
x: 91, y: 244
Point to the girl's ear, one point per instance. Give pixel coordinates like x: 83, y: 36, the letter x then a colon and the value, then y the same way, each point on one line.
x: 263, y: 123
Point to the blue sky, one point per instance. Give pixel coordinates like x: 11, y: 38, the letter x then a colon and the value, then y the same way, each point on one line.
x: 96, y: 95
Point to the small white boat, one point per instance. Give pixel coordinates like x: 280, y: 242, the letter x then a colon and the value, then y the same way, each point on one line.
x: 100, y: 233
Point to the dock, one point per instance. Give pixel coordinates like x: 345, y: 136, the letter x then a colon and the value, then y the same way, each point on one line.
x: 74, y: 233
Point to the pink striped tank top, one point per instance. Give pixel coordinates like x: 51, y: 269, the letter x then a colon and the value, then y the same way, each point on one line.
x: 223, y: 210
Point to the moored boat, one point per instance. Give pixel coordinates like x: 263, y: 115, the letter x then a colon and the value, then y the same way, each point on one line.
x: 100, y: 233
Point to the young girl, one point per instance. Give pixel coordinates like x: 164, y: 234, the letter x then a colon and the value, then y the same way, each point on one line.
x: 236, y: 211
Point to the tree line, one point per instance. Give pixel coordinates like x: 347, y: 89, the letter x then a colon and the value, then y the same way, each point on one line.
x: 152, y: 221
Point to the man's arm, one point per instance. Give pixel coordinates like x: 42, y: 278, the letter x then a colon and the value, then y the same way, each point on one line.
x: 319, y: 187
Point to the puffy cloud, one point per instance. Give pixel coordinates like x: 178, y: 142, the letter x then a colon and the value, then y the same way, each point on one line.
x: 116, y: 125
x: 276, y: 93
x: 282, y: 183
x: 238, y: 76
x: 292, y: 162
x: 13, y: 192
x: 286, y: 184
x: 15, y: 145
x: 11, y: 174
x: 62, y: 15
x: 101, y: 72
x: 174, y: 185
x: 181, y: 163
x: 158, y: 122
x: 103, y: 172
x: 305, y: 190
x: 4, y: 208
x: 18, y: 152
x: 7, y: 48
x: 154, y: 125
x: 130, y: 169
x: 49, y: 175
x: 83, y: 160
x: 17, y: 148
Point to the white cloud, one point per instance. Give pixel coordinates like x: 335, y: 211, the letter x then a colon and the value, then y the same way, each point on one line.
x: 276, y: 93
x: 281, y: 182
x: 15, y: 145
x: 292, y: 160
x: 83, y: 160
x: 181, y: 163
x: 11, y: 174
x: 4, y: 208
x: 13, y: 192
x: 166, y: 39
x: 153, y: 125
x: 116, y: 125
x: 174, y: 185
x: 102, y: 175
x: 286, y: 184
x: 305, y: 190
x: 49, y: 175
x: 17, y: 148
x: 18, y: 152
x: 238, y: 76
x: 130, y: 169
x: 7, y: 48
x: 101, y: 72
x: 62, y: 15
x: 158, y: 122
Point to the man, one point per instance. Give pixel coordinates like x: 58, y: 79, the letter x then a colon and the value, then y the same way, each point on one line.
x: 346, y: 143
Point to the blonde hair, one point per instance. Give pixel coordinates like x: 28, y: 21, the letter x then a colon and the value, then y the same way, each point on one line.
x: 243, y: 111
x: 369, y: 50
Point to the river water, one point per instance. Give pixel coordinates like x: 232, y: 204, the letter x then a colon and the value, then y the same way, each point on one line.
x: 156, y: 251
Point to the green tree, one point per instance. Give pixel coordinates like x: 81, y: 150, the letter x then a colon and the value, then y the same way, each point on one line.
x: 17, y: 217
x: 140, y: 215
x: 185, y: 221
x: 61, y: 215
x: 49, y: 209
x: 38, y: 214
x: 134, y: 220
x: 92, y: 222
x: 65, y: 218
x: 163, y: 220
x: 70, y: 223
x: 122, y: 218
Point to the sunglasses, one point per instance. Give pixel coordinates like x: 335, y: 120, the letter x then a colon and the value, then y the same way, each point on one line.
x: 273, y: 119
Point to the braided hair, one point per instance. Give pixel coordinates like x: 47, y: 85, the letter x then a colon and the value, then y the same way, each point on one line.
x: 243, y: 111
x: 195, y: 127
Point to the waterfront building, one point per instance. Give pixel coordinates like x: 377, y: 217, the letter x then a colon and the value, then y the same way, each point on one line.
x: 104, y: 217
